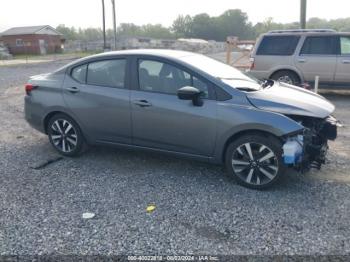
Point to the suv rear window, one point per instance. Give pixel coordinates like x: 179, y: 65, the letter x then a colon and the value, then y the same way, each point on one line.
x: 278, y: 45
x: 319, y: 45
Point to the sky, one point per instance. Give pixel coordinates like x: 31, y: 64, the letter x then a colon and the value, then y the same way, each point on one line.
x: 87, y: 13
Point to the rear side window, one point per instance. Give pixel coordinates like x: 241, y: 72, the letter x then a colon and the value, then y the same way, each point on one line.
x: 345, y: 45
x: 110, y: 73
x: 319, y: 45
x: 79, y: 73
x: 278, y: 45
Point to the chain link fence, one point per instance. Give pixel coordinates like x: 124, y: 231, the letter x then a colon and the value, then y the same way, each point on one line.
x: 38, y: 52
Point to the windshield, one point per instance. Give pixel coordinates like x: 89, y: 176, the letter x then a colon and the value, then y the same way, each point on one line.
x: 228, y: 74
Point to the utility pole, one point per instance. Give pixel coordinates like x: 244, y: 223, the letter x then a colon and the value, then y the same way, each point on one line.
x: 114, y: 25
x: 104, y: 25
x: 303, y: 14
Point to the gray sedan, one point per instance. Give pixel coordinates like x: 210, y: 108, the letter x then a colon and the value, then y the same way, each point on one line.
x: 184, y: 104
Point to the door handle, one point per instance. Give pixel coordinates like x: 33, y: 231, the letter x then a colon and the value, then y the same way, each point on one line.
x: 73, y: 89
x: 346, y: 61
x: 301, y: 60
x: 142, y: 103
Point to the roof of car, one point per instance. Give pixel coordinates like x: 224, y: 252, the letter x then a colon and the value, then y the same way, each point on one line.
x: 302, y: 31
x: 306, y: 32
x: 166, y: 53
x: 155, y: 52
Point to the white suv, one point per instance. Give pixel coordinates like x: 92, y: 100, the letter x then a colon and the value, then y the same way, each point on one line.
x: 298, y: 56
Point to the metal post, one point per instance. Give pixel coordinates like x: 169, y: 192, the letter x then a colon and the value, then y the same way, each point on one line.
x: 114, y: 25
x: 317, y: 79
x: 228, y: 53
x: 303, y: 5
x: 26, y: 52
x: 104, y: 24
x: 231, y: 42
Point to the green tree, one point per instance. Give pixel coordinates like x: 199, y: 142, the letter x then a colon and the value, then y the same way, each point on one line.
x: 69, y: 33
x: 340, y: 24
x: 267, y: 25
x: 132, y: 30
x: 156, y: 31
x: 182, y: 26
x: 127, y: 29
x: 203, y: 27
x: 90, y: 34
x: 317, y: 23
x: 233, y: 22
x: 230, y: 23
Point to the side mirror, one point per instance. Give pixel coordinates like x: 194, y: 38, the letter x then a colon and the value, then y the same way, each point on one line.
x: 190, y: 93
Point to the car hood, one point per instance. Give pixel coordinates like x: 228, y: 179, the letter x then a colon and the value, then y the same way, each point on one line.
x: 291, y: 100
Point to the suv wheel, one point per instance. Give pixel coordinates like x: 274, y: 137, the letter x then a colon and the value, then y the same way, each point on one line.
x: 255, y: 161
x: 287, y: 77
x: 65, y: 135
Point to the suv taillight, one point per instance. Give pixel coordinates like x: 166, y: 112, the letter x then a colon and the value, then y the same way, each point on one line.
x: 252, y: 63
x: 29, y: 88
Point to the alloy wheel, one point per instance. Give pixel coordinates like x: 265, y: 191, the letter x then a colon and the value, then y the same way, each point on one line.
x: 63, y: 135
x: 255, y: 163
x: 286, y: 79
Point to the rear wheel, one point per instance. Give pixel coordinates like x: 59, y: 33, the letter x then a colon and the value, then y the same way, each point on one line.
x: 286, y: 76
x: 255, y: 161
x: 65, y: 135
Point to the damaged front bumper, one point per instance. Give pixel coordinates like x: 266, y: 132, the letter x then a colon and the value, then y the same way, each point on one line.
x: 308, y: 149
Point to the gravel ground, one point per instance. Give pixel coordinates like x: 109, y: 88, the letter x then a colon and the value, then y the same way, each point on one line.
x: 199, y: 210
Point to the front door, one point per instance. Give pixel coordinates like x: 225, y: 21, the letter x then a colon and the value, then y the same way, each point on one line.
x: 318, y: 58
x: 161, y: 120
x: 342, y: 75
x: 99, y: 99
x: 42, y: 46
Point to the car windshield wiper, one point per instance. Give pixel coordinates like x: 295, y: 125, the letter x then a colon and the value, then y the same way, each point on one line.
x: 239, y: 79
x: 242, y: 84
x: 248, y: 89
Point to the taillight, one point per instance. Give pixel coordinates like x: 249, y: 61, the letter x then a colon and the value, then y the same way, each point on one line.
x: 29, y: 88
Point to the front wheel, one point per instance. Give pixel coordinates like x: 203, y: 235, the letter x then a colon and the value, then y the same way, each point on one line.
x: 255, y: 161
x: 287, y: 77
x: 65, y: 135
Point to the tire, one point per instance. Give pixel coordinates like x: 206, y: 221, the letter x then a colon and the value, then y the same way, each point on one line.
x: 286, y: 76
x: 255, y: 161
x: 65, y: 135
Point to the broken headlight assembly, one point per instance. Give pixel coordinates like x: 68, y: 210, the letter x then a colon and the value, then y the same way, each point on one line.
x: 308, y: 148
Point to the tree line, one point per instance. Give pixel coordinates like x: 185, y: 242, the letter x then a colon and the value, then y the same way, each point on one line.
x: 232, y: 22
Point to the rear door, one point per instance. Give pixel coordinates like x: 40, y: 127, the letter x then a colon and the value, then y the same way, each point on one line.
x: 98, y: 96
x: 161, y: 120
x: 318, y: 57
x: 342, y: 75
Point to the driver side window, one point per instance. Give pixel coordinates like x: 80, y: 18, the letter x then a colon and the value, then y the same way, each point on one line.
x: 155, y: 76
